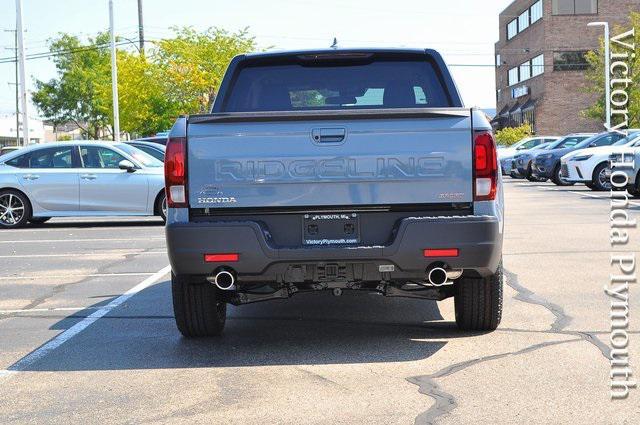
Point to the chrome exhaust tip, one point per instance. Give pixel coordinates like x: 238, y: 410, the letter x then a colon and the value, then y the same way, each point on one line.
x: 224, y: 279
x: 437, y: 276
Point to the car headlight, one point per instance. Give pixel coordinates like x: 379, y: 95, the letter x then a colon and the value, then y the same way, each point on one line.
x: 618, y: 157
x: 580, y: 158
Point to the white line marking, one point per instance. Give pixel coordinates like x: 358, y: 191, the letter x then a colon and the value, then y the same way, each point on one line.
x: 590, y: 195
x: 74, y: 330
x: 73, y: 275
x: 90, y: 254
x: 42, y: 310
x: 83, y: 240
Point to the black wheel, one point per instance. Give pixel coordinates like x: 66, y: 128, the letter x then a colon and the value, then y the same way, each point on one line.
x: 15, y: 209
x: 197, y: 308
x: 529, y: 174
x: 557, y: 178
x: 599, y: 180
x: 39, y: 220
x: 161, y: 206
x: 478, y: 302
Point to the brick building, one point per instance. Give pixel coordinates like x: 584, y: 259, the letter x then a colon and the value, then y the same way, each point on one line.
x: 540, y: 61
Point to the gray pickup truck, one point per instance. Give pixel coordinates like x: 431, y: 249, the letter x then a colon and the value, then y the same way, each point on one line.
x: 340, y: 170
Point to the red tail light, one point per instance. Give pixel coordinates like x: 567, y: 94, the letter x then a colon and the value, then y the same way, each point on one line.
x: 175, y: 172
x: 441, y: 252
x: 485, y: 179
x: 221, y: 258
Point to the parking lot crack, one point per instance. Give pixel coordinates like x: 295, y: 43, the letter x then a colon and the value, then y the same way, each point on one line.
x: 445, y: 402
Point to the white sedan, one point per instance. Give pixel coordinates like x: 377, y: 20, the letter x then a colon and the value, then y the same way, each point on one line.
x: 591, y: 166
x: 79, y: 179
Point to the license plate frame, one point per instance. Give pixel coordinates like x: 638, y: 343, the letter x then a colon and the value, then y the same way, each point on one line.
x: 330, y: 229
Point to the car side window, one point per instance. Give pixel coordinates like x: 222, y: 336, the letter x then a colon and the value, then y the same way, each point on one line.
x: 99, y: 157
x: 150, y: 151
x: 21, y: 161
x: 59, y: 157
x: 606, y: 141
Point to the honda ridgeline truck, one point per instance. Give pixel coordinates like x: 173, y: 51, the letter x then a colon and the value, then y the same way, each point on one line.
x: 341, y: 170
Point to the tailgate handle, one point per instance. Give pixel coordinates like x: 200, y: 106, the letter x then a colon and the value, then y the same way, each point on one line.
x: 328, y: 135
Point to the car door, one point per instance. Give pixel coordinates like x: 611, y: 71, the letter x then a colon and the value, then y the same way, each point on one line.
x: 50, y: 178
x: 105, y: 188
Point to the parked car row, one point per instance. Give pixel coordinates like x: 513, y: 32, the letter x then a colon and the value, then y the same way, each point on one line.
x: 575, y: 158
x: 81, y: 178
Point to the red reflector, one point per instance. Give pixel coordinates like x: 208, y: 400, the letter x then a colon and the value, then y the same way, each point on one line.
x: 447, y: 252
x: 221, y: 258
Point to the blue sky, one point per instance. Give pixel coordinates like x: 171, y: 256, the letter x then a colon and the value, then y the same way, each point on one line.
x: 464, y: 31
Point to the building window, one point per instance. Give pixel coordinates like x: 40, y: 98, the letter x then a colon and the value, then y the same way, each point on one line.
x: 512, y: 29
x: 575, y: 7
x: 498, y: 95
x: 498, y: 60
x: 513, y: 76
x: 536, y: 11
x: 537, y: 65
x: 523, y: 21
x: 570, y: 61
x: 525, y: 71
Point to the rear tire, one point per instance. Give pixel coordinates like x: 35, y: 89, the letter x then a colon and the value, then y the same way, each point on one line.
x: 478, y: 302
x: 161, y: 206
x: 197, y: 307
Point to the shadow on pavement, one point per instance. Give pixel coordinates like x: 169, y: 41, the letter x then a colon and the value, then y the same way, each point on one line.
x: 306, y: 329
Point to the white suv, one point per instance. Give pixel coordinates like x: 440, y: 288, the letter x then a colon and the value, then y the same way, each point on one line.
x: 591, y: 166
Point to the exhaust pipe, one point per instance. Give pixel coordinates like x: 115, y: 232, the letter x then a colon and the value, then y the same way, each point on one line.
x: 223, y: 278
x: 437, y: 276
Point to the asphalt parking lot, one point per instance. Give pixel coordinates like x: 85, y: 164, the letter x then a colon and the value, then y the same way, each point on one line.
x: 87, y: 335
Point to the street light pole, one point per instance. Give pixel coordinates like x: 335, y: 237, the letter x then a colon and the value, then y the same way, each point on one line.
x: 114, y: 77
x: 140, y: 27
x: 607, y: 71
x: 23, y: 74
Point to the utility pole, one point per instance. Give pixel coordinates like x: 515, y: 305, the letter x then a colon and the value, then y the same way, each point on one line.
x: 15, y: 52
x: 23, y: 73
x: 114, y: 77
x: 607, y: 71
x: 140, y: 27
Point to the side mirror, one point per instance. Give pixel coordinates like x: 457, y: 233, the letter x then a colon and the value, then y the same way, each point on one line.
x: 127, y: 165
x: 593, y: 144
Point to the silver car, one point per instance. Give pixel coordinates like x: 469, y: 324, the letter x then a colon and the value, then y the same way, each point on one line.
x: 79, y: 179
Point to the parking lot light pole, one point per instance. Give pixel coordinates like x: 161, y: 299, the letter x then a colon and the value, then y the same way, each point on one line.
x: 114, y: 76
x: 607, y: 73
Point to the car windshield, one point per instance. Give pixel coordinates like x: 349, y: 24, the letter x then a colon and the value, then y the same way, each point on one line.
x: 143, y: 158
x: 632, y: 137
x: 567, y: 142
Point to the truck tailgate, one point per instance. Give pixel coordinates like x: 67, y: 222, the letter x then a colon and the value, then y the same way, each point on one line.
x: 374, y: 158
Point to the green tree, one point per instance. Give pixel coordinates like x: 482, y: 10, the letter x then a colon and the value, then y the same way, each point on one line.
x: 193, y: 64
x: 595, y: 76
x: 510, y: 135
x: 76, y: 94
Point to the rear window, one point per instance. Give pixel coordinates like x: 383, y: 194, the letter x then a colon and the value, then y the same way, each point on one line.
x: 349, y: 85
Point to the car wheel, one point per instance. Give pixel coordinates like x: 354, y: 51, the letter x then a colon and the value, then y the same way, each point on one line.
x: 529, y: 174
x: 161, y: 206
x: 557, y: 178
x: 39, y: 220
x: 600, y: 181
x: 478, y: 302
x: 197, y: 307
x: 589, y: 185
x: 15, y: 209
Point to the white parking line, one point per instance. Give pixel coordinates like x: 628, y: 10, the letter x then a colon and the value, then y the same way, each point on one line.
x: 42, y: 310
x: 49, y: 276
x: 74, y: 330
x: 90, y: 254
x: 83, y: 240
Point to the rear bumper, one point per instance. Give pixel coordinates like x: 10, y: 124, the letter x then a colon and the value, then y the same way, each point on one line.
x: 478, y: 238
